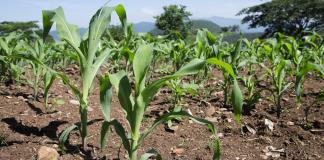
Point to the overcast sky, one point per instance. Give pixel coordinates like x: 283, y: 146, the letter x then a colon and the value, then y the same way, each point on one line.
x: 80, y: 11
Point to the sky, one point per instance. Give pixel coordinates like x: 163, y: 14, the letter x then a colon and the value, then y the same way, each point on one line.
x: 80, y: 11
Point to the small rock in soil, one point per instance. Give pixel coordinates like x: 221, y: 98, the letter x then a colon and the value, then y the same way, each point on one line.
x: 317, y: 131
x: 269, y: 124
x: 211, y: 119
x: 9, y: 97
x: 21, y: 97
x: 285, y: 99
x: 289, y: 123
x: 177, y: 151
x: 220, y: 135
x: 271, y: 152
x: 47, y: 153
x: 218, y: 94
x: 210, y: 111
x: 74, y: 102
x: 30, y: 97
x: 249, y: 129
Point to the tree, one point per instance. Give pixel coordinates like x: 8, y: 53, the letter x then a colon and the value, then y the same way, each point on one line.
x: 26, y: 27
x: 291, y: 17
x: 174, y: 21
x: 225, y: 29
x: 235, y: 28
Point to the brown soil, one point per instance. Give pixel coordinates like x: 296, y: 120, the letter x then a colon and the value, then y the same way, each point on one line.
x: 25, y: 127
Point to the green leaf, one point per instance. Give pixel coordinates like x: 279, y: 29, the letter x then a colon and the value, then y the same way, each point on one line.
x: 104, y: 134
x: 173, y: 115
x: 192, y: 67
x: 105, y: 96
x: 121, y: 12
x: 301, y: 74
x: 237, y: 100
x: 119, y: 130
x: 47, y: 22
x: 227, y: 67
x: 65, y: 30
x: 97, y: 27
x: 49, y: 79
x: 237, y: 50
x: 65, y: 134
x: 217, y: 150
x: 142, y: 60
x: 123, y: 88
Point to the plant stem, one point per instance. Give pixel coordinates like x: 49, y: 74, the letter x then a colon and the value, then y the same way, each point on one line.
x: 278, y: 105
x: 83, y: 129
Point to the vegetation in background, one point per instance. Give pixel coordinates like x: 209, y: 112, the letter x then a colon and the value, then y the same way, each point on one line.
x: 290, y: 17
x: 174, y: 21
x: 27, y: 27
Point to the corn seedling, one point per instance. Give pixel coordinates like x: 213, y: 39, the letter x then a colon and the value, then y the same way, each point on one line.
x: 88, y: 53
x: 135, y: 101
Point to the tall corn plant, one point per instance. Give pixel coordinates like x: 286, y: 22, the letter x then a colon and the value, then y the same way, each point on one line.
x: 88, y: 54
x: 135, y: 100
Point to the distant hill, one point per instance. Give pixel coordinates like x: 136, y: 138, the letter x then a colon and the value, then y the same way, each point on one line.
x: 211, y: 26
x: 143, y: 26
x: 222, y: 21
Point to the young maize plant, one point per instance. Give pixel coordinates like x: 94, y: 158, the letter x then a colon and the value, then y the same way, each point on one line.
x: 88, y: 54
x: 304, y: 64
x: 12, y: 67
x: 249, y: 59
x: 214, y: 57
x: 135, y: 101
x: 41, y: 51
x: 236, y: 95
x: 231, y: 59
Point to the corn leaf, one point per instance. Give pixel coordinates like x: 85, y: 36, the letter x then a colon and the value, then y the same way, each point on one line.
x: 142, y: 60
x: 105, y: 96
x: 227, y: 67
x: 123, y: 89
x: 192, y: 67
x: 64, y: 136
x: 237, y: 100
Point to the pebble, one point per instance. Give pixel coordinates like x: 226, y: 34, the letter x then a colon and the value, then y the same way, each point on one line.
x: 220, y: 135
x: 211, y: 119
x: 30, y: 97
x: 289, y: 123
x: 210, y: 111
x: 47, y: 153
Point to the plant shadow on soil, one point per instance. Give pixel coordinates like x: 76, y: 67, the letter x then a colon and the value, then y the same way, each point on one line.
x: 48, y: 131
